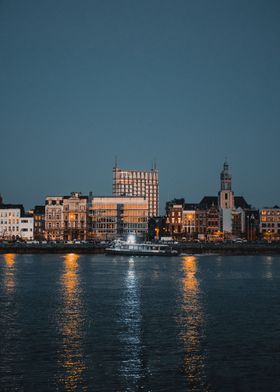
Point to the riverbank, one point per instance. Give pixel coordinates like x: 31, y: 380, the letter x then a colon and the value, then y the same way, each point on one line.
x: 185, y: 248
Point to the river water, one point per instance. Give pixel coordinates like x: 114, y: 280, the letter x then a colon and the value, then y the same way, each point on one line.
x: 104, y: 323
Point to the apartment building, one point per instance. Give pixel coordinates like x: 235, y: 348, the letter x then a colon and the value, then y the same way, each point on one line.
x: 270, y: 223
x: 14, y: 223
x: 66, y: 217
x: 54, y: 218
x: 75, y: 211
x: 137, y: 183
x: 39, y: 222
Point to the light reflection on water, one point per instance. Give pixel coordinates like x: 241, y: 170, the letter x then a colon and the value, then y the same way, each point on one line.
x: 192, y: 322
x: 268, y: 271
x: 71, y: 322
x: 150, y: 331
x: 9, y: 277
x: 8, y: 315
x: 130, y: 336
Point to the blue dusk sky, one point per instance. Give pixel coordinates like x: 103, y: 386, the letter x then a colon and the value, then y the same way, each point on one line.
x: 187, y: 83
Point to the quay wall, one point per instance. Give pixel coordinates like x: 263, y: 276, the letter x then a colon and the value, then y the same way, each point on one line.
x: 183, y: 248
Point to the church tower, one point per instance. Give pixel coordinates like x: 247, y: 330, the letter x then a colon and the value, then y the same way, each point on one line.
x: 226, y: 195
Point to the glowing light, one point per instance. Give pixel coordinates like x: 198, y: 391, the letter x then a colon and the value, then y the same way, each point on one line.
x: 9, y: 281
x: 10, y: 259
x: 71, y: 217
x: 131, y: 239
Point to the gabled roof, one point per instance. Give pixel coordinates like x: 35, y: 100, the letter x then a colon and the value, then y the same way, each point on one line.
x: 190, y: 206
x: 208, y: 202
x: 239, y: 201
x: 39, y: 209
x: 175, y: 202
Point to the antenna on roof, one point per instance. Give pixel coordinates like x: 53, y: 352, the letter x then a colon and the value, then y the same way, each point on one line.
x: 116, y: 161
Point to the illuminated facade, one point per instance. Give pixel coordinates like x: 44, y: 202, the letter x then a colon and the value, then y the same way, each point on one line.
x: 113, y: 217
x: 174, y: 217
x: 191, y: 220
x: 10, y: 221
x: 135, y: 183
x: 14, y: 224
x: 27, y: 228
x: 189, y: 224
x: 54, y: 218
x: 39, y: 222
x: 75, y: 217
x: 66, y: 217
x: 270, y: 223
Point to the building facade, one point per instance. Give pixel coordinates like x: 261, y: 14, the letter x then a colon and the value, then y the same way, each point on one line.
x: 39, y: 222
x: 215, y: 218
x: 14, y: 224
x: 252, y: 224
x: 189, y: 224
x: 75, y: 217
x: 174, y: 218
x: 10, y: 221
x: 54, y: 218
x: 270, y: 223
x: 136, y: 183
x: 27, y: 228
x: 156, y: 228
x: 66, y: 217
x: 112, y: 217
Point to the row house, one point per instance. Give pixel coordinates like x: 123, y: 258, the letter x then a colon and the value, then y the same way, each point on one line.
x: 174, y: 218
x: 188, y: 221
x: 54, y: 218
x: 39, y: 222
x: 270, y: 223
x: 14, y: 223
x: 74, y: 215
x: 189, y: 224
x: 66, y: 217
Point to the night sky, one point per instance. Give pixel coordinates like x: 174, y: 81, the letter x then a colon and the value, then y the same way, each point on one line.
x: 187, y: 83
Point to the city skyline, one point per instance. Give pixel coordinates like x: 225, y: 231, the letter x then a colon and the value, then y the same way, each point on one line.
x: 171, y: 194
x: 186, y: 83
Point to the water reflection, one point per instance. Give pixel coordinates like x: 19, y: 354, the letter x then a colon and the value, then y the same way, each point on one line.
x: 192, y: 323
x: 71, y: 323
x: 268, y: 267
x: 9, y: 280
x: 8, y: 323
x: 130, y: 337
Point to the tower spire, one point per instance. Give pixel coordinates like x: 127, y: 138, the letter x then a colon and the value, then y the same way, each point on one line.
x: 225, y: 177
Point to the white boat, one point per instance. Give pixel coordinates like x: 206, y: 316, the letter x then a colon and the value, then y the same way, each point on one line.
x: 120, y: 247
